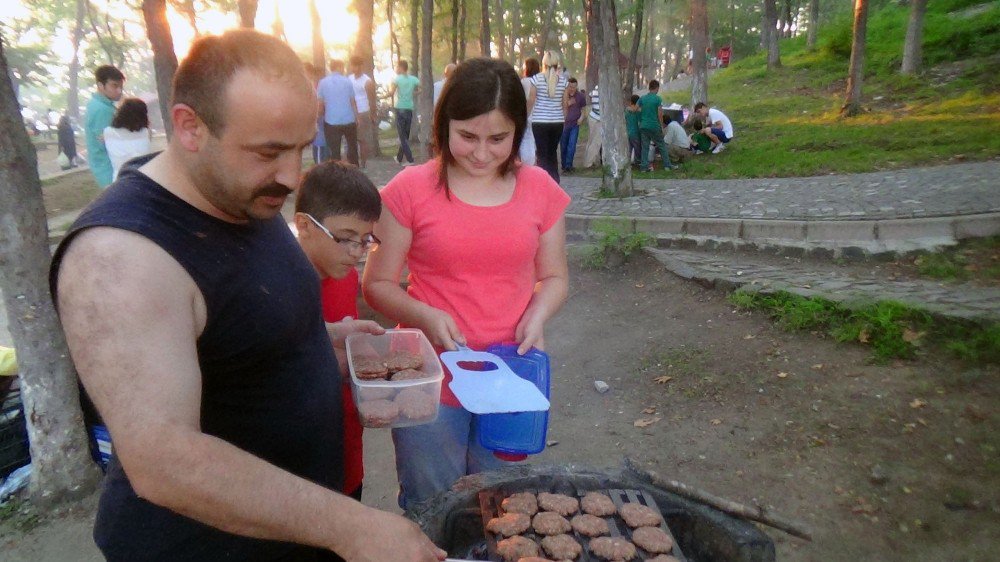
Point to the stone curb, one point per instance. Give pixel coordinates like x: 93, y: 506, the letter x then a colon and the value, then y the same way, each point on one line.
x: 819, y: 238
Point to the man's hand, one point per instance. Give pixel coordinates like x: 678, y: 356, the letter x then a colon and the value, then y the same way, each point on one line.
x: 339, y: 331
x: 387, y: 536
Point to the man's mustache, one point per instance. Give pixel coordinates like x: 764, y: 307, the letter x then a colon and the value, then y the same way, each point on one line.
x: 273, y: 190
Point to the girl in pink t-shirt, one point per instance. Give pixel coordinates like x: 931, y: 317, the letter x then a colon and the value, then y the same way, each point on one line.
x: 484, y: 240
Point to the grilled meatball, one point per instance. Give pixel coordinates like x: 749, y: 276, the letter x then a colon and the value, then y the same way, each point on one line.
x: 596, y: 503
x: 521, y: 502
x: 509, y: 524
x: 663, y: 558
x: 561, y: 547
x: 400, y: 360
x: 559, y: 503
x: 615, y: 549
x: 638, y: 515
x: 589, y: 525
x: 652, y: 539
x: 516, y: 548
x: 549, y: 523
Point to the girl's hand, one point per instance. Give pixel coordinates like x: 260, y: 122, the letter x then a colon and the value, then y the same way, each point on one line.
x: 339, y: 331
x: 440, y: 328
x: 530, y: 332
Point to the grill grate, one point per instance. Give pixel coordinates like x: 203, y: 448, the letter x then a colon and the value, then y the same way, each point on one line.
x: 490, y: 500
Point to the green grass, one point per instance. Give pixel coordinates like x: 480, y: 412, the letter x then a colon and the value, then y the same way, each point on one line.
x: 975, y: 259
x: 892, y: 329
x: 787, y: 121
x: 614, y: 236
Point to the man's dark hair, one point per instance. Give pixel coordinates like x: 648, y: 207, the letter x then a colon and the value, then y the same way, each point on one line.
x: 634, y: 98
x: 203, y: 76
x: 132, y: 114
x: 107, y: 72
x: 699, y: 105
x: 654, y: 84
x: 338, y: 188
x: 404, y: 65
x: 531, y: 67
x: 478, y: 86
x: 337, y: 65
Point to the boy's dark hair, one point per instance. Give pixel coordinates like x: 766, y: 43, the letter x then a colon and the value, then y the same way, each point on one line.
x: 479, y: 86
x: 338, y: 188
x: 203, y: 76
x: 337, y: 65
x: 132, y: 114
x: 404, y: 65
x: 696, y: 122
x: 531, y: 67
x: 634, y: 98
x: 654, y: 84
x: 699, y: 105
x: 107, y: 72
x: 572, y: 80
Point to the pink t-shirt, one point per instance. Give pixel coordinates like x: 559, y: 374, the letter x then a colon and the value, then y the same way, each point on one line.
x: 475, y: 263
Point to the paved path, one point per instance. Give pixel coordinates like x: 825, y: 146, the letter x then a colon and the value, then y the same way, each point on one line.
x: 809, y: 279
x: 959, y: 189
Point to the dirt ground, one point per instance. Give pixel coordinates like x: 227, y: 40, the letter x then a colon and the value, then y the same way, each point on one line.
x: 896, y: 462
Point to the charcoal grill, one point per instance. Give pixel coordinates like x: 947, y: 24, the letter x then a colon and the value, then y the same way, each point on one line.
x: 454, y: 520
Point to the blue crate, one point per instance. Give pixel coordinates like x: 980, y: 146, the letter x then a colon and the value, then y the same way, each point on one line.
x: 520, y: 433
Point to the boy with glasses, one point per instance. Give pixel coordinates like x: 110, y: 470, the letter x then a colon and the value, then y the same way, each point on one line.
x: 335, y: 212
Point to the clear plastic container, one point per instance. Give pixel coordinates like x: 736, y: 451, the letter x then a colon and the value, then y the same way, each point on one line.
x: 386, y: 403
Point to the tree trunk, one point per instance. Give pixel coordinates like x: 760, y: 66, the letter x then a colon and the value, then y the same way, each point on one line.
x: 318, y: 50
x: 634, y: 51
x: 616, y: 174
x: 786, y: 28
x: 415, y: 36
x: 484, y: 30
x: 699, y: 40
x: 590, y: 62
x: 462, y: 40
x: 454, y: 30
x: 363, y: 48
x: 771, y: 34
x: 813, y: 24
x: 154, y: 13
x: 912, y: 48
x: 73, y: 98
x: 60, y: 455
x: 395, y: 52
x: 248, y: 12
x: 187, y: 9
x: 543, y: 39
x: 426, y: 78
x: 855, y: 73
x: 515, y: 30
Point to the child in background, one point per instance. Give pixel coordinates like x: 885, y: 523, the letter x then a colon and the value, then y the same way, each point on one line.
x: 699, y: 140
x: 128, y: 136
x: 632, y: 126
x: 335, y: 212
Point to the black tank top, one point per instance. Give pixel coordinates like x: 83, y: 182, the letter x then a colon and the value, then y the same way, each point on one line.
x: 270, y: 382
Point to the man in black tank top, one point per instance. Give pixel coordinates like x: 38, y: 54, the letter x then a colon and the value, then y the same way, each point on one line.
x: 194, y: 321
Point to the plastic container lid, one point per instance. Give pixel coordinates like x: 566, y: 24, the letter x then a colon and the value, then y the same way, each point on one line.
x: 519, y: 433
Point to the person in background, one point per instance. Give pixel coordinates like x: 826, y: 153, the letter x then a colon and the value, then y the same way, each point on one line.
x: 439, y: 85
x: 592, y: 157
x: 194, y: 321
x: 677, y: 141
x: 632, y: 128
x: 484, y: 239
x: 335, y: 211
x: 52, y: 120
x: 404, y: 87
x: 319, y: 151
x: 128, y: 135
x: 67, y: 141
x: 545, y: 103
x: 700, y: 143
x: 651, y: 127
x: 719, y: 128
x: 364, y: 98
x: 527, y: 150
x: 573, y: 103
x: 100, y: 113
x: 340, y: 112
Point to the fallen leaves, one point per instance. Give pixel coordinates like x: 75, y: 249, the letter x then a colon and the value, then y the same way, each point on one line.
x: 649, y: 411
x: 917, y: 403
x: 864, y: 336
x: 716, y: 421
x: 912, y: 336
x: 663, y: 379
x: 646, y: 422
x: 782, y: 375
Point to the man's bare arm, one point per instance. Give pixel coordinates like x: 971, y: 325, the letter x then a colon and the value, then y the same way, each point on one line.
x: 132, y: 317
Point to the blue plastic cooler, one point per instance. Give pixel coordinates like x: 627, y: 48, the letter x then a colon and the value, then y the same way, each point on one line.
x: 520, y: 432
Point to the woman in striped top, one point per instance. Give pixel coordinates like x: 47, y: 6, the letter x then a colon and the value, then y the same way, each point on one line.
x: 545, y: 103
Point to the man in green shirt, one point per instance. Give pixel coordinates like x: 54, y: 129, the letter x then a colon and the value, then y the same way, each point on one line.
x: 404, y: 87
x: 651, y: 127
x: 100, y: 112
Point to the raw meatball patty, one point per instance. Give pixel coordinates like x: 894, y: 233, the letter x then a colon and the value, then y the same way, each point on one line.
x: 589, y: 525
x: 563, y: 505
x: 407, y: 375
x: 638, y: 515
x: 378, y: 413
x: 561, y: 547
x: 516, y: 548
x: 549, y: 523
x: 400, y: 360
x: 596, y: 503
x: 616, y: 549
x: 521, y: 502
x: 416, y: 404
x: 652, y: 539
x: 369, y: 368
x: 509, y: 524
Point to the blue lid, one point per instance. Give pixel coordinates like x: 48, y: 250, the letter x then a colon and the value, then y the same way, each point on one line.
x: 520, y: 432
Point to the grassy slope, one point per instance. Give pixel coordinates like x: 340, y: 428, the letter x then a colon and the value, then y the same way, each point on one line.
x: 787, y: 121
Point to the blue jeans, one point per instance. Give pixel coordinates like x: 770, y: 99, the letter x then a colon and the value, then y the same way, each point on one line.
x: 431, y: 457
x: 567, y: 144
x: 404, y: 119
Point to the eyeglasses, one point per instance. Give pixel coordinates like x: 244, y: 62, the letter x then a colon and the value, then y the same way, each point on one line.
x: 370, y: 241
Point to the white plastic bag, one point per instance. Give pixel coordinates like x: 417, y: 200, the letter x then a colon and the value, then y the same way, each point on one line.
x: 62, y: 160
